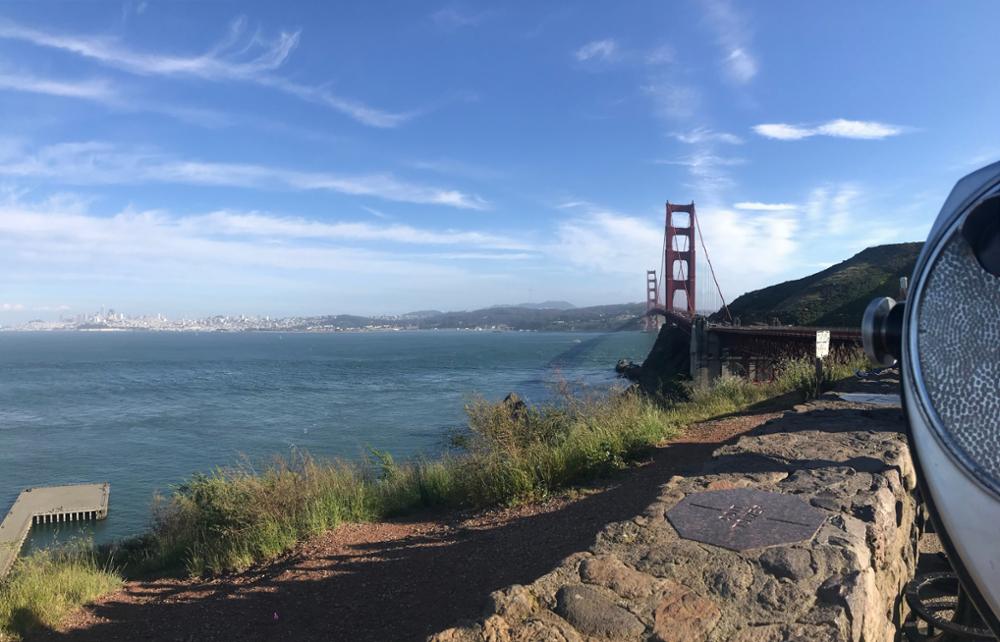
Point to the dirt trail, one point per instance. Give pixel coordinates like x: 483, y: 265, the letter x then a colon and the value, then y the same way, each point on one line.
x: 397, y: 580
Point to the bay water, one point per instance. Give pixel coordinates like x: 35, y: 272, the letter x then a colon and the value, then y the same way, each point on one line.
x: 145, y: 410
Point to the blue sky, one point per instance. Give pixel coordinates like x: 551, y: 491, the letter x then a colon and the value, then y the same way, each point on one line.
x: 305, y: 158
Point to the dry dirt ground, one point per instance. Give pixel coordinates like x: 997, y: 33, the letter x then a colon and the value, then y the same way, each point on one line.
x: 396, y: 580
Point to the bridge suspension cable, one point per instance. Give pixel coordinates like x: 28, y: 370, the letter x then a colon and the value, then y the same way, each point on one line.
x: 725, y: 306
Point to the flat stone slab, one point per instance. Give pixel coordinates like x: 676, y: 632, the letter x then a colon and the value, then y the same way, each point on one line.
x: 743, y: 518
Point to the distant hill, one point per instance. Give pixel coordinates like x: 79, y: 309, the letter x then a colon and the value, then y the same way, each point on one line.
x: 547, y: 305
x: 835, y: 297
x: 623, y: 316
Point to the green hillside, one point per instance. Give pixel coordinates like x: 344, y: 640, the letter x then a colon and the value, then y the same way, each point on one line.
x: 835, y: 297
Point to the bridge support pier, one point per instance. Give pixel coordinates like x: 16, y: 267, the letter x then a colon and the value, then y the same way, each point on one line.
x: 706, y: 354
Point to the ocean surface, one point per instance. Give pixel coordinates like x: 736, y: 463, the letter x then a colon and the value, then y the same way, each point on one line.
x: 146, y: 410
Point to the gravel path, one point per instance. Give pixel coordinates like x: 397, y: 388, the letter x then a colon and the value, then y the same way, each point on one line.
x: 396, y: 580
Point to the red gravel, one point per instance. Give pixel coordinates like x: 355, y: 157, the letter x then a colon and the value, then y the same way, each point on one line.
x: 396, y: 580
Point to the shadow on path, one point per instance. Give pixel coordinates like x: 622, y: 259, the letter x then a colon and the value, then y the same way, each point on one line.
x: 402, y: 589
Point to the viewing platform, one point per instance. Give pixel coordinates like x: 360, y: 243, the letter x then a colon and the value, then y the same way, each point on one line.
x: 49, y: 505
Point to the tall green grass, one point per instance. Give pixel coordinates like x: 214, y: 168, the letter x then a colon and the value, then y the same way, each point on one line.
x: 45, y: 586
x: 511, y: 453
x: 234, y: 517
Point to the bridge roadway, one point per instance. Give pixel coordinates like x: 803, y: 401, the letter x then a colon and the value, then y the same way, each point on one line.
x: 49, y: 505
x: 755, y: 351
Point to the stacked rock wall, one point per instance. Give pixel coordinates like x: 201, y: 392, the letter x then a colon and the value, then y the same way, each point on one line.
x: 641, y: 581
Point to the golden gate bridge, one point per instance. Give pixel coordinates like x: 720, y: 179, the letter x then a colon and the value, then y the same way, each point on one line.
x: 678, y: 296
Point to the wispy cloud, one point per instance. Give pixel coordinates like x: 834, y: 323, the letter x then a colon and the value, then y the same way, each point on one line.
x: 757, y: 206
x: 452, y: 18
x: 450, y: 167
x: 700, y: 135
x: 236, y: 58
x: 741, y: 65
x: 707, y: 171
x: 107, y: 93
x: 99, y: 89
x: 230, y: 59
x: 733, y: 36
x: 376, y: 213
x: 831, y: 210
x: 257, y: 224
x: 49, y: 239
x: 838, y: 128
x: 99, y: 163
x: 672, y: 101
x: 597, y: 50
x: 661, y: 55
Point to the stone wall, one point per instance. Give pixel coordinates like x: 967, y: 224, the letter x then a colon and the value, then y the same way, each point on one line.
x: 641, y: 581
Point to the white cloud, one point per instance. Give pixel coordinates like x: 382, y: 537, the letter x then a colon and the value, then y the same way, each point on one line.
x: 599, y: 50
x: 605, y: 241
x: 11, y: 307
x: 838, y: 128
x: 235, y: 58
x: 748, y: 250
x: 733, y: 36
x: 858, y: 129
x: 51, y: 243
x: 97, y: 163
x: 757, y: 206
x: 700, y: 135
x: 782, y: 131
x: 600, y: 241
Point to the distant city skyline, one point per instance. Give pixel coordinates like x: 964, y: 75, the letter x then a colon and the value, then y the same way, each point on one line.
x: 299, y: 159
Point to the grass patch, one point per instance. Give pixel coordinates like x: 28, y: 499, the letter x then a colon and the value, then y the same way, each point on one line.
x: 800, y: 375
x: 45, y: 586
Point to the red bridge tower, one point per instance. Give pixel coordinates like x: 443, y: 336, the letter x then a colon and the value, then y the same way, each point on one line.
x: 652, y: 321
x: 679, y: 259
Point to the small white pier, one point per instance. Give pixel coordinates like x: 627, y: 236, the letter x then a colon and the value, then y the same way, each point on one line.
x: 49, y: 505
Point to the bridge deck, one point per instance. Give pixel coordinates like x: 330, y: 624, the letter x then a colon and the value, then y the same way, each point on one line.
x: 52, y: 504
x: 846, y: 334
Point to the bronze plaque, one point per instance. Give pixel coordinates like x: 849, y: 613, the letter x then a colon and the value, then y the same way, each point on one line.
x: 744, y: 518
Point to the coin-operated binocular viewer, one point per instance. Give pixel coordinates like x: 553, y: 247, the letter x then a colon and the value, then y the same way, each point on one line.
x: 946, y: 340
